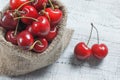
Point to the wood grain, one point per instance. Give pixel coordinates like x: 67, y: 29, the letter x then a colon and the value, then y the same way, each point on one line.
x: 105, y: 14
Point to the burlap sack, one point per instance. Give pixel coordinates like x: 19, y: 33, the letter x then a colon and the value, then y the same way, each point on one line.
x: 14, y: 61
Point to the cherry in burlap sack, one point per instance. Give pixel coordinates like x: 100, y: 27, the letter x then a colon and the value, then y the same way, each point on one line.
x: 15, y: 61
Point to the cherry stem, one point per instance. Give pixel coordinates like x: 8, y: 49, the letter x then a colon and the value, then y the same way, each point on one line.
x: 51, y: 4
x: 90, y: 35
x: 37, y: 41
x: 23, y: 4
x: 15, y: 33
x: 26, y: 18
x: 96, y: 31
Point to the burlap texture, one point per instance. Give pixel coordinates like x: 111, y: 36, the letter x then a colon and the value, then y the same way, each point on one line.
x: 15, y: 61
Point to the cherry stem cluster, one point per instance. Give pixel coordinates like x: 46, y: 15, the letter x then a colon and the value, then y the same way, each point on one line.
x: 93, y: 27
x: 26, y: 18
x: 51, y: 4
x: 32, y: 46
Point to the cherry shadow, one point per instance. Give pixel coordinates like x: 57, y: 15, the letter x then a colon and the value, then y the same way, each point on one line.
x: 92, y: 62
x: 75, y: 62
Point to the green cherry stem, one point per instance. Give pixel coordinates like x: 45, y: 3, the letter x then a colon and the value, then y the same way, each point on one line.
x: 37, y: 41
x: 96, y: 31
x: 26, y: 18
x: 90, y: 35
x: 51, y: 4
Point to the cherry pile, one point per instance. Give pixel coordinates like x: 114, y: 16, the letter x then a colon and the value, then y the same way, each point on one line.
x: 31, y: 24
x: 82, y: 51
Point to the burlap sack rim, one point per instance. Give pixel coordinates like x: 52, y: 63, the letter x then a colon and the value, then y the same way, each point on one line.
x: 50, y: 47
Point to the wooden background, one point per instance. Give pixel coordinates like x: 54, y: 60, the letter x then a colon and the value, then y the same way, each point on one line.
x: 105, y: 14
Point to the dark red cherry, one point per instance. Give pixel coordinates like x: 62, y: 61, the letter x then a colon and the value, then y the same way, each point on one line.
x: 39, y: 4
x: 7, y: 21
x: 40, y: 46
x: 11, y: 37
x: 25, y: 39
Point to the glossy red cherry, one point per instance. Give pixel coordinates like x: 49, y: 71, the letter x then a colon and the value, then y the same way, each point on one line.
x: 39, y: 4
x: 42, y: 46
x: 25, y: 39
x: 52, y: 34
x: 54, y: 15
x: 14, y: 4
x: 11, y: 37
x: 81, y: 51
x: 40, y: 27
x: 99, y: 50
x: 29, y: 11
x: 7, y: 21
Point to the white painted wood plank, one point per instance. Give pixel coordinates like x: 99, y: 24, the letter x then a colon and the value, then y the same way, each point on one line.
x: 105, y: 14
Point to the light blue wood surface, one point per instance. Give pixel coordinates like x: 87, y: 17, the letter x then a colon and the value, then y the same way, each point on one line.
x: 105, y: 14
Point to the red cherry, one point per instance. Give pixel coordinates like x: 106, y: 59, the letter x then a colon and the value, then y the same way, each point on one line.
x: 52, y: 34
x: 40, y: 27
x: 100, y: 50
x: 7, y: 21
x: 11, y: 37
x: 25, y: 39
x: 39, y: 4
x: 42, y: 46
x: 29, y: 11
x: 81, y: 51
x: 14, y: 4
x: 54, y: 15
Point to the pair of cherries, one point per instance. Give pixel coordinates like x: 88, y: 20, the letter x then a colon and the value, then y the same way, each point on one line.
x: 82, y: 51
x: 27, y: 28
